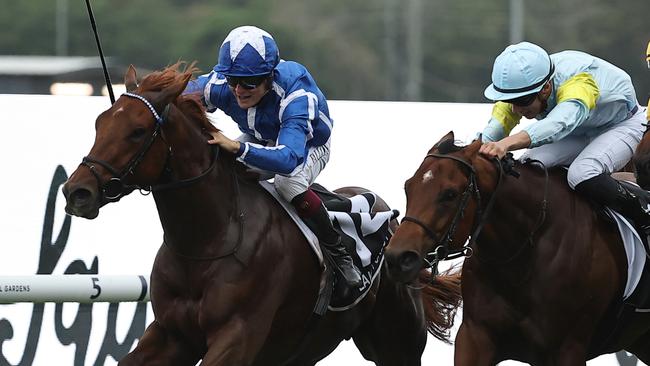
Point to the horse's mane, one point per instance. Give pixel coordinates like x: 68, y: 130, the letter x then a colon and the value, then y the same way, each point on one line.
x: 172, y: 76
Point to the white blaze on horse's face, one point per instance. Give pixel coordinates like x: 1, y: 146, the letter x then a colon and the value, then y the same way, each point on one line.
x: 427, y: 176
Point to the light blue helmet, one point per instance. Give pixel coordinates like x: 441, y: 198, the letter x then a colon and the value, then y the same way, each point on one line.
x: 247, y: 51
x: 519, y: 70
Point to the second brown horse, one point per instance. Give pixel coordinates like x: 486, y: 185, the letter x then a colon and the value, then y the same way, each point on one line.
x: 545, y: 271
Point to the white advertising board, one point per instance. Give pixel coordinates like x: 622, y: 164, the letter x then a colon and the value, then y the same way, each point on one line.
x: 42, y: 140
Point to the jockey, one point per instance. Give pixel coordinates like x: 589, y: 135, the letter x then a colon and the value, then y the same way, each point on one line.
x: 588, y: 119
x: 285, y: 122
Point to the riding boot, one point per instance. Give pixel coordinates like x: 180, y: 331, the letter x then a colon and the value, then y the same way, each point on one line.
x: 319, y: 222
x: 626, y: 198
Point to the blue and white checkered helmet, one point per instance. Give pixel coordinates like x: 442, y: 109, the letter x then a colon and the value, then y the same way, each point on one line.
x: 521, y: 69
x: 247, y: 51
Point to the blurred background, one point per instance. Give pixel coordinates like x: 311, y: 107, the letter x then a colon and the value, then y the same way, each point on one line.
x: 406, y: 50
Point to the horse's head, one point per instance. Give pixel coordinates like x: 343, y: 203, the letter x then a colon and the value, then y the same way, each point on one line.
x: 132, y: 141
x: 442, y: 200
x: 641, y: 162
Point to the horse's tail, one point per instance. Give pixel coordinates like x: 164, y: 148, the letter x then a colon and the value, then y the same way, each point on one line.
x: 440, y: 299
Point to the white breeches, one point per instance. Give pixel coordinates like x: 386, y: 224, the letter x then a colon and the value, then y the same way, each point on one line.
x: 588, y: 157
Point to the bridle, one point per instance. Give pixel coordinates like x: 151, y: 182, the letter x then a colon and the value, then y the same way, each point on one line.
x: 114, y: 188
x: 442, y: 249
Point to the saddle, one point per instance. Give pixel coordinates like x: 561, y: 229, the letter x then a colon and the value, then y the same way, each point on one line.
x: 364, y: 233
x: 636, y: 295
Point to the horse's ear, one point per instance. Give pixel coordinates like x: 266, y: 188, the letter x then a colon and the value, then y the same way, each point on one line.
x: 448, y: 136
x: 472, y: 149
x: 130, y: 80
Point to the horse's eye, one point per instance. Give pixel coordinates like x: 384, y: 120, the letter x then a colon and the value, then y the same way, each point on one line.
x: 138, y: 133
x: 447, y: 195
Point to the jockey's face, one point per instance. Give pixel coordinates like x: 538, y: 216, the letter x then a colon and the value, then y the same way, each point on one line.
x: 537, y: 106
x: 531, y: 110
x: 246, y: 97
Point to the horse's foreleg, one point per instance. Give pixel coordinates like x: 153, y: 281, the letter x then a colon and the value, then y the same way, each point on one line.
x: 158, y: 347
x: 395, y: 334
x: 237, y: 342
x: 473, y: 346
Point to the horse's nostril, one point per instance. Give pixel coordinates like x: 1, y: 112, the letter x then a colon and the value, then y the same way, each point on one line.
x: 409, y: 261
x: 80, y: 196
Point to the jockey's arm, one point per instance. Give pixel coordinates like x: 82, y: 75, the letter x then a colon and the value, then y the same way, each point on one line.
x: 285, y: 156
x: 559, y: 123
x: 198, y: 85
x: 503, y: 120
x: 576, y: 98
x: 499, y: 148
x: 296, y: 114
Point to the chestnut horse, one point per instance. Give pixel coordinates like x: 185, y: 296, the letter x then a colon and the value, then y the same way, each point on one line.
x: 234, y: 282
x: 544, y: 272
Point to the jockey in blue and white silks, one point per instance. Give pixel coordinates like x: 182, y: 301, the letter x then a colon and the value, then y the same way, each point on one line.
x: 293, y: 116
x: 285, y: 124
x: 587, y: 118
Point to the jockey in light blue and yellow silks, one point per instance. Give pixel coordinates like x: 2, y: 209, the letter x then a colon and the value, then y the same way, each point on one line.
x: 587, y: 118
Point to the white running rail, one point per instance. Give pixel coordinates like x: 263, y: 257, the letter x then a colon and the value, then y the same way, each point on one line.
x: 81, y: 288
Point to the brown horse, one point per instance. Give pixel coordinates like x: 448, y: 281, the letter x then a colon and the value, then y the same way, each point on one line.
x: 235, y: 282
x: 544, y: 272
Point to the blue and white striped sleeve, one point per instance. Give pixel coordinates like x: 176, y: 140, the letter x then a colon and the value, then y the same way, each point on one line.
x: 197, y: 86
x: 297, y: 111
x: 210, y: 87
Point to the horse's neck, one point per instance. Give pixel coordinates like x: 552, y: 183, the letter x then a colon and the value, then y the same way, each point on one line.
x: 208, y: 200
x: 518, y: 216
x: 196, y: 214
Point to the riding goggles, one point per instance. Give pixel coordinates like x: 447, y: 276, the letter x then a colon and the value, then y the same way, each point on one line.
x: 523, y: 101
x: 246, y: 82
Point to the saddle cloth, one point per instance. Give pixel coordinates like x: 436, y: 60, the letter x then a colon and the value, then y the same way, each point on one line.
x: 637, y: 262
x: 365, y: 234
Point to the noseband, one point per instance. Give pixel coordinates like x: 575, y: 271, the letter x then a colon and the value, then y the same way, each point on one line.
x: 115, y: 188
x: 442, y: 249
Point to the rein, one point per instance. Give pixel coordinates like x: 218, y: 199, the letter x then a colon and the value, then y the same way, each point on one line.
x: 115, y: 188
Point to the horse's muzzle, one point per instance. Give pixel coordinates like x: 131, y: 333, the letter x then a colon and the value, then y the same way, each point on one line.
x: 81, y: 201
x: 403, y: 266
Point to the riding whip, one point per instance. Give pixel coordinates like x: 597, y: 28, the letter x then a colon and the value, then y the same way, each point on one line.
x: 109, y: 86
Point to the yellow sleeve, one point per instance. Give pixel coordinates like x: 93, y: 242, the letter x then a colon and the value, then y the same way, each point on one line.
x: 582, y: 87
x: 503, y: 113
